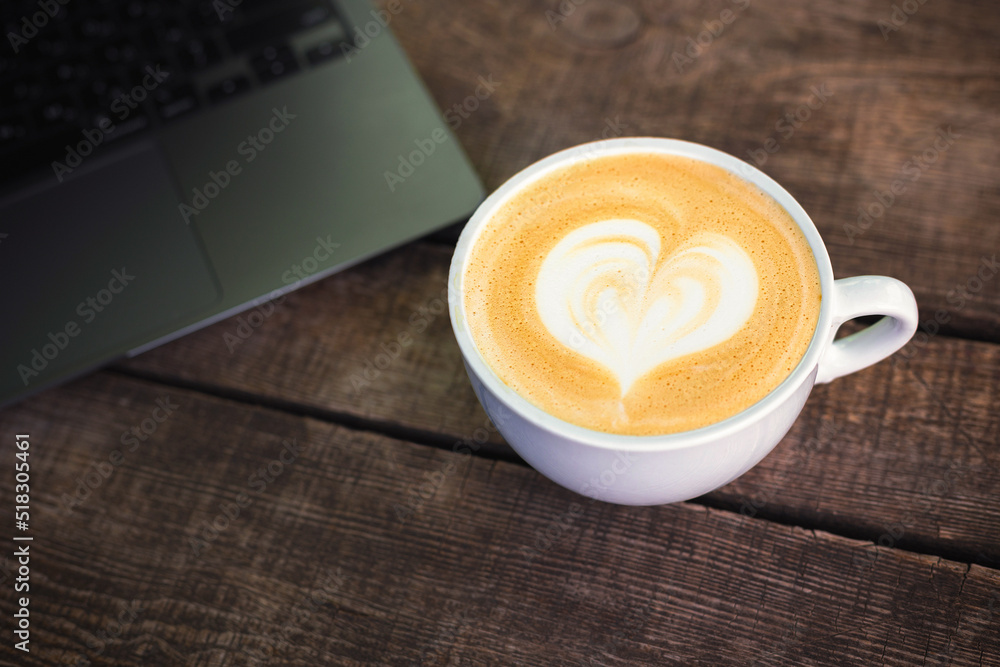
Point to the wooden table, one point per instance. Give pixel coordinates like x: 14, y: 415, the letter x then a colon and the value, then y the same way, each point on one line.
x: 299, y: 499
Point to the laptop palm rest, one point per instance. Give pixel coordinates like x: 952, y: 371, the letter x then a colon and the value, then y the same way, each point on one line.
x: 89, y: 269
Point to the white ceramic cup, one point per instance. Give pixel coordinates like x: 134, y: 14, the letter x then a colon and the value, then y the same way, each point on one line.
x: 651, y: 470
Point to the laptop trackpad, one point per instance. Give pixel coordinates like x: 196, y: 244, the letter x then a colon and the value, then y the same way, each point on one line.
x: 95, y: 266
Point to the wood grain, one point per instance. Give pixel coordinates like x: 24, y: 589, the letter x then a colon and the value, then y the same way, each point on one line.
x: 914, y: 441
x: 359, y: 549
x: 312, y: 511
x: 889, y: 96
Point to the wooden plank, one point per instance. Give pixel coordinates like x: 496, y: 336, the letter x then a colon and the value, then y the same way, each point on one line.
x: 921, y: 430
x: 358, y: 549
x: 889, y: 97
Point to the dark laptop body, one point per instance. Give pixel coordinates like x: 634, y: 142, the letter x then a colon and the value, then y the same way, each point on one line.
x: 158, y: 232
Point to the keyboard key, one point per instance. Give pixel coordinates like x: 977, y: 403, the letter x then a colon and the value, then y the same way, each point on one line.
x: 101, y: 120
x: 197, y: 54
x: 140, y: 11
x: 13, y: 129
x: 175, y: 101
x: 97, y: 27
x: 99, y: 94
x: 54, y: 46
x: 173, y: 32
x: 22, y: 91
x: 227, y: 88
x: 121, y: 52
x: 57, y: 111
x: 278, y: 26
x: 324, y: 51
x: 254, y: 7
x: 273, y: 62
x: 69, y: 72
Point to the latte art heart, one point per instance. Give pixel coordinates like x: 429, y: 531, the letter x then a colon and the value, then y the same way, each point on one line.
x: 640, y: 293
x: 605, y: 292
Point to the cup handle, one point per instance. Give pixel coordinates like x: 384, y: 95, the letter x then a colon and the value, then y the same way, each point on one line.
x: 857, y: 297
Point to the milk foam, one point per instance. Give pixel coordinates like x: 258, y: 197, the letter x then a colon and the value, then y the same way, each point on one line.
x: 641, y: 293
x: 605, y: 292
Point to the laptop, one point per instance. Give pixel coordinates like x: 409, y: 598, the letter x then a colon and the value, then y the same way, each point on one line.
x: 165, y: 165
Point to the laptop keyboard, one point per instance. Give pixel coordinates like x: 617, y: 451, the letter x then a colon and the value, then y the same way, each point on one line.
x: 71, y: 70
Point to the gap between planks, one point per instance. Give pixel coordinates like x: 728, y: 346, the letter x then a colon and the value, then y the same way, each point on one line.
x: 906, y: 543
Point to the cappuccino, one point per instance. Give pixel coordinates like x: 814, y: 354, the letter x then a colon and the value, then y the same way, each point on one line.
x: 641, y: 293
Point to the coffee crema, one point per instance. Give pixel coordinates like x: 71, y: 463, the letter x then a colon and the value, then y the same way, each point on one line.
x: 641, y: 293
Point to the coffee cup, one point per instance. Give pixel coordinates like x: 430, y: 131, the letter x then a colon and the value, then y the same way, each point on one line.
x: 643, y: 318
